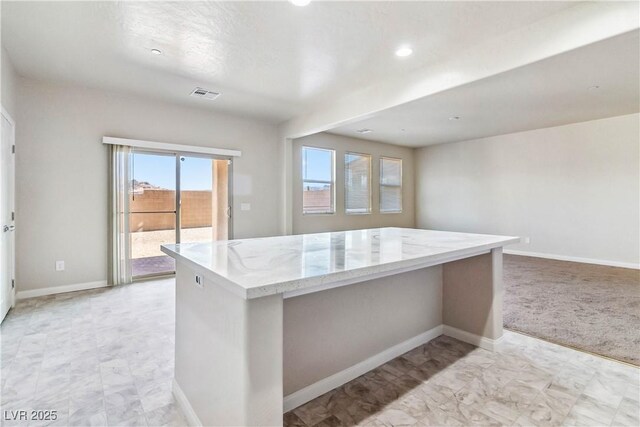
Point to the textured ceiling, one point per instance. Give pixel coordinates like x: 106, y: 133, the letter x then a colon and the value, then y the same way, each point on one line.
x: 269, y: 59
x: 548, y: 93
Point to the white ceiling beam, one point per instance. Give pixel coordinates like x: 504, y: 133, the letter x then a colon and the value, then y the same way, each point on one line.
x: 572, y: 28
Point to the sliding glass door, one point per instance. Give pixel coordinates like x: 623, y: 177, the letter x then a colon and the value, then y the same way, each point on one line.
x: 204, y: 202
x: 152, y: 218
x: 174, y: 198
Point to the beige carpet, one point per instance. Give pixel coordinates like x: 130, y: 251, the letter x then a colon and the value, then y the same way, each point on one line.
x: 589, y: 307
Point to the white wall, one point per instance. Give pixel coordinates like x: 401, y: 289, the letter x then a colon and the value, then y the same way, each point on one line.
x: 340, y: 220
x: 62, y: 173
x: 8, y: 84
x: 573, y: 189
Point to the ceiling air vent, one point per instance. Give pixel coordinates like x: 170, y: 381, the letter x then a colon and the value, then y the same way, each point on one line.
x: 205, y: 94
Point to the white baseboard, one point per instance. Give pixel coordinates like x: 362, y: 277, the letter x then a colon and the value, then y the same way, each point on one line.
x: 314, y: 390
x: 477, y: 340
x: 321, y: 387
x: 185, y: 406
x: 61, y: 289
x: 635, y: 266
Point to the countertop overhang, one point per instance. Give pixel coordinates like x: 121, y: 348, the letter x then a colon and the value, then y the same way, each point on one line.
x: 299, y: 264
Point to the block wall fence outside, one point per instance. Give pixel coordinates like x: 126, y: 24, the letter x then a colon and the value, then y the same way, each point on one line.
x: 317, y: 199
x: 196, y: 209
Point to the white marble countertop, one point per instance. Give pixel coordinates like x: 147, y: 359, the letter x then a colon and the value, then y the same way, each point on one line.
x: 298, y: 264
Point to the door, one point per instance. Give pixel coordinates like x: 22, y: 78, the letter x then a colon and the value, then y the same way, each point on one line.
x: 174, y: 198
x: 7, y: 239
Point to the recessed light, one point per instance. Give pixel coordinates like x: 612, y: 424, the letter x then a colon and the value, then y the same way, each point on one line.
x: 455, y: 118
x: 363, y: 131
x: 403, y: 51
x: 300, y: 2
x: 595, y: 87
x: 156, y: 51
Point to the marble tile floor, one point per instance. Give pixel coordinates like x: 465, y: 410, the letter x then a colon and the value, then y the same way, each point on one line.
x: 105, y: 357
x: 99, y: 357
x: 446, y: 382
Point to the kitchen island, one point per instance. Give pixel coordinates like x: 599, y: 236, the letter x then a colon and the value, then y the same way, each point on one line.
x: 265, y: 325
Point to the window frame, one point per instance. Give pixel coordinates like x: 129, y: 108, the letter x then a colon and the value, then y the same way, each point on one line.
x: 382, y: 159
x: 346, y: 194
x: 332, y: 183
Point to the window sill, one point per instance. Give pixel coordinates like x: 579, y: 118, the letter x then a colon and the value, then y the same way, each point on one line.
x: 318, y: 214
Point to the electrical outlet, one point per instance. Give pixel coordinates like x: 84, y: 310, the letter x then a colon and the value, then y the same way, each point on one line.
x: 199, y: 281
x: 59, y: 265
x: 245, y: 206
x: 526, y: 240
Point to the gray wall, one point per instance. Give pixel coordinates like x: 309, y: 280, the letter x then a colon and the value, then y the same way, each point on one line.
x: 573, y: 189
x: 8, y: 84
x: 340, y: 220
x: 330, y: 331
x: 62, y: 173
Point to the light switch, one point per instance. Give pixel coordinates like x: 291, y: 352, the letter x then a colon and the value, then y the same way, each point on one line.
x: 59, y: 265
x: 245, y: 206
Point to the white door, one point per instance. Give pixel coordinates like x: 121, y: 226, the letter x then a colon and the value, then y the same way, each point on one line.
x: 7, y: 239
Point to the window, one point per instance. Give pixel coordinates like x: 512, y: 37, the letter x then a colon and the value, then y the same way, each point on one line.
x: 357, y: 169
x: 318, y: 176
x: 390, y: 185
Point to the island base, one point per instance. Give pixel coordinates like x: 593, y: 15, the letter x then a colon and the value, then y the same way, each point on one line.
x: 237, y: 359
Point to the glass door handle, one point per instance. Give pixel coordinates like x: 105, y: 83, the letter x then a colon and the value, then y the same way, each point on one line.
x: 8, y: 228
